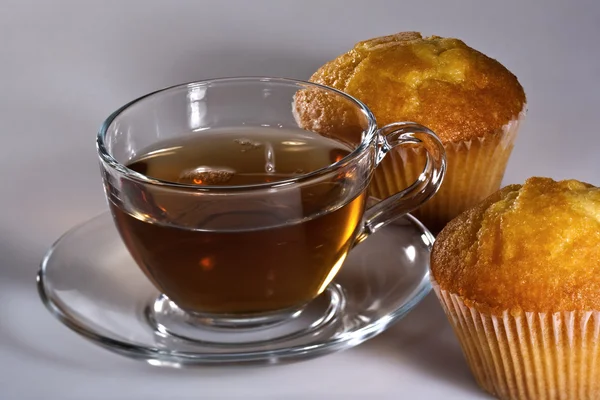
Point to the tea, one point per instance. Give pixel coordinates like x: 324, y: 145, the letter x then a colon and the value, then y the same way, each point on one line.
x: 258, y: 254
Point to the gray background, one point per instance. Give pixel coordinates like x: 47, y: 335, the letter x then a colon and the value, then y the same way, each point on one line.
x: 65, y: 65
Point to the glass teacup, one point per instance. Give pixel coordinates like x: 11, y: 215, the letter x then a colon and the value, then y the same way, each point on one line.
x: 240, y: 198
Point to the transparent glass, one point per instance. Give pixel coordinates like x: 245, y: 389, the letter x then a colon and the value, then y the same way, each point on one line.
x: 290, y: 293
x: 267, y: 269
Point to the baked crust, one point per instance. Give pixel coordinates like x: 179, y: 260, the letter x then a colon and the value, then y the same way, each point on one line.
x: 441, y: 83
x: 527, y: 248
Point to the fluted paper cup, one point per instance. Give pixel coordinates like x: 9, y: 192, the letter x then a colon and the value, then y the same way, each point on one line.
x: 475, y: 169
x: 528, y: 355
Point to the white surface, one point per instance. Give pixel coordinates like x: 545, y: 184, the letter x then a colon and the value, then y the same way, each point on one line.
x: 65, y: 66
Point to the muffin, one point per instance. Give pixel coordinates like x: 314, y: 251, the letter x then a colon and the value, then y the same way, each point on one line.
x: 469, y: 100
x: 518, y: 276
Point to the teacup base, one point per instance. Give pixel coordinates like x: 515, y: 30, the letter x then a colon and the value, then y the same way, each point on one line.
x: 90, y: 282
x: 166, y: 318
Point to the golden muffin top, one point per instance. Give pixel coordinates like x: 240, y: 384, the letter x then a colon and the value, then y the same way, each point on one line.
x: 532, y: 247
x: 441, y: 83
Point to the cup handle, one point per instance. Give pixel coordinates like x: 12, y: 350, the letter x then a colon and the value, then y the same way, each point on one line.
x: 426, y: 185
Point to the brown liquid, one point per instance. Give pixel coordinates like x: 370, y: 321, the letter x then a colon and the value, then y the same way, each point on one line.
x: 242, y: 257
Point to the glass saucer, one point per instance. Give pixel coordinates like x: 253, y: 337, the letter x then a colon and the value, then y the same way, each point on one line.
x: 89, y: 282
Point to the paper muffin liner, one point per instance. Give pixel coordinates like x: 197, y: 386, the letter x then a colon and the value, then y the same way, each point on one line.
x: 529, y: 355
x: 475, y: 169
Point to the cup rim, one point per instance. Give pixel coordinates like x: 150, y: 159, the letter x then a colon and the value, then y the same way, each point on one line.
x: 111, y: 162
